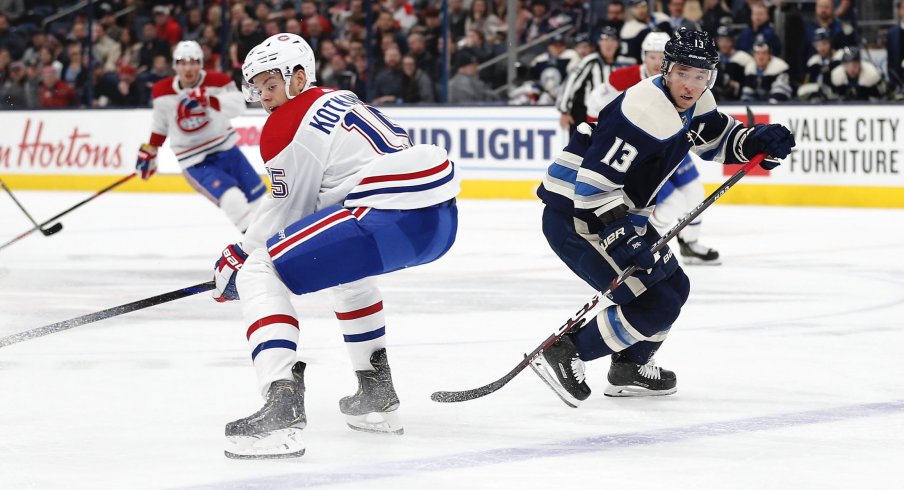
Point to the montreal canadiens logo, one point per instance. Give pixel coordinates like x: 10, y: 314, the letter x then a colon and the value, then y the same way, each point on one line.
x: 283, y: 37
x: 191, y: 117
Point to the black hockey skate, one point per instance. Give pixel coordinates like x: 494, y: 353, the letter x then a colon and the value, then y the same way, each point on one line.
x: 696, y: 254
x: 274, y: 431
x: 562, y: 370
x: 629, y: 379
x: 374, y: 408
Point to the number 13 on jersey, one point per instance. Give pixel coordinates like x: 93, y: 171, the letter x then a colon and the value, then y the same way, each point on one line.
x: 620, y: 156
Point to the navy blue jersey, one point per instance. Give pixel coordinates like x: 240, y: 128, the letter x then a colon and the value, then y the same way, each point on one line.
x: 627, y: 158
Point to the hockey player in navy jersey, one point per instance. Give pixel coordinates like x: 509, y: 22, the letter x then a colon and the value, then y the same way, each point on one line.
x: 599, y: 194
x: 351, y: 198
x: 193, y: 109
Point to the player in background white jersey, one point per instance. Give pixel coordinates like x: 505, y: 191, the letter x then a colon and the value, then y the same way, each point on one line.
x: 193, y: 109
x: 350, y: 199
x: 684, y: 189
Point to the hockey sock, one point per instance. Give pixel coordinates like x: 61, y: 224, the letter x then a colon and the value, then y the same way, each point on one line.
x: 639, y: 353
x: 359, y: 309
x: 270, y: 318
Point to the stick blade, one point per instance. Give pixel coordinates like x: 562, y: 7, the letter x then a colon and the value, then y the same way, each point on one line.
x: 56, y: 227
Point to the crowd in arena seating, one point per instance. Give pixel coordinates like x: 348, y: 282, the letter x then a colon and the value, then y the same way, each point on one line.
x: 44, y: 60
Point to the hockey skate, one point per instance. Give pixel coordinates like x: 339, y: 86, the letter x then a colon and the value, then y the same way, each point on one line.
x: 274, y: 431
x: 562, y: 370
x: 696, y: 254
x: 374, y: 408
x: 629, y: 379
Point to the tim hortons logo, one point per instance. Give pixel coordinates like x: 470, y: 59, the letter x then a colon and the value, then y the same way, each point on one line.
x: 76, y: 150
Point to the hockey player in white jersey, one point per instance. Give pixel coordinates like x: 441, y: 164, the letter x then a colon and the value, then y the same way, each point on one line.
x: 351, y: 198
x: 193, y: 109
x: 684, y: 189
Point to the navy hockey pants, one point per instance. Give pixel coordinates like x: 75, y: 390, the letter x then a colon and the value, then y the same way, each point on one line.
x: 339, y: 245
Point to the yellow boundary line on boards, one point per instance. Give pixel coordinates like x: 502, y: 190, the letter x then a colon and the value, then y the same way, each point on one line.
x: 765, y: 194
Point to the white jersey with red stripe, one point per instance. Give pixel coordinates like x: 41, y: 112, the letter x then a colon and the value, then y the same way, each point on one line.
x: 195, y: 132
x: 326, y: 147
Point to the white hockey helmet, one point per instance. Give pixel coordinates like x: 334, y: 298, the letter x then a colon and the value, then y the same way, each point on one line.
x: 655, y: 41
x: 282, y: 52
x: 188, y: 50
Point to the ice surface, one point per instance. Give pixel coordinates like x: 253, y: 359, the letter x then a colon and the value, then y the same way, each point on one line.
x: 789, y: 360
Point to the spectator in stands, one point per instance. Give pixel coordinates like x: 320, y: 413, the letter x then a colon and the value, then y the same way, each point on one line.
x: 160, y: 69
x: 677, y: 19
x: 249, y: 36
x: 482, y: 19
x: 15, y: 93
x: 103, y: 88
x: 308, y: 12
x: 151, y: 47
x: 13, y: 9
x: 167, y: 28
x: 78, y: 33
x: 557, y: 56
x: 108, y: 20
x: 130, y: 92
x: 129, y: 49
x: 212, y: 59
x: 75, y: 71
x: 458, y: 17
x: 46, y: 57
x: 642, y: 23
x: 732, y: 64
x: 819, y: 67
x: 210, y: 35
x: 426, y: 62
x: 766, y: 79
x: 385, y: 26
x: 841, y: 33
x: 583, y: 46
x: 465, y: 86
x: 340, y: 76
x: 55, y: 93
x: 856, y: 79
x: 715, y: 15
x: 537, y: 26
x: 592, y: 71
x: 9, y: 39
x: 760, y: 30
x: 388, y: 81
x: 573, y: 13
x: 434, y: 32
x: 5, y: 61
x: 895, y: 45
x: 402, y: 12
x: 106, y: 51
x: 38, y: 40
x: 615, y: 15
x: 194, y: 24
x: 416, y: 85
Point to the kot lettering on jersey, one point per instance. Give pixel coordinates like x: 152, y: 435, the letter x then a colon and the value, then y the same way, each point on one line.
x: 326, y: 147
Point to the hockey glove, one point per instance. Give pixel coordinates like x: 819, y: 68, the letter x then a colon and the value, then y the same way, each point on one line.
x: 146, y: 165
x: 225, y: 270
x: 624, y: 246
x: 773, y: 139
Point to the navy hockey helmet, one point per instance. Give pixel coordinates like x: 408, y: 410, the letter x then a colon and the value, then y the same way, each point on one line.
x: 850, y: 53
x: 691, y: 48
x: 821, y: 34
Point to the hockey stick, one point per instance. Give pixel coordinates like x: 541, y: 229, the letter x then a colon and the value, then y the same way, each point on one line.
x: 108, y: 313
x: 46, y: 231
x: 592, y: 306
x: 73, y: 208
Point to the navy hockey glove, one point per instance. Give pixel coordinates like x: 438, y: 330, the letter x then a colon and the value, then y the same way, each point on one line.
x: 624, y: 246
x: 773, y: 139
x: 224, y: 271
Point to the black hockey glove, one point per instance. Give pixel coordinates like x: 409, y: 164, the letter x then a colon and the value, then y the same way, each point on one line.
x: 624, y: 245
x: 773, y: 139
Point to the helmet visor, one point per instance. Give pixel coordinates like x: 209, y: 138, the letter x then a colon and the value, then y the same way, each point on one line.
x: 267, y: 82
x: 698, y: 78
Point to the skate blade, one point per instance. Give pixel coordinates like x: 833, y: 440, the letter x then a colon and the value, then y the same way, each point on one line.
x: 377, y: 422
x: 283, y: 443
x: 699, y: 261
x: 543, y: 370
x: 635, y: 391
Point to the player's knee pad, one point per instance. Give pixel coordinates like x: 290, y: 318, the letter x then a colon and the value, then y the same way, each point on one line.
x: 258, y: 277
x: 236, y: 207
x: 658, y: 308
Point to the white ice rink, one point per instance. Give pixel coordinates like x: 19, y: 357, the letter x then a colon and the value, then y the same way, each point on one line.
x: 790, y: 359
